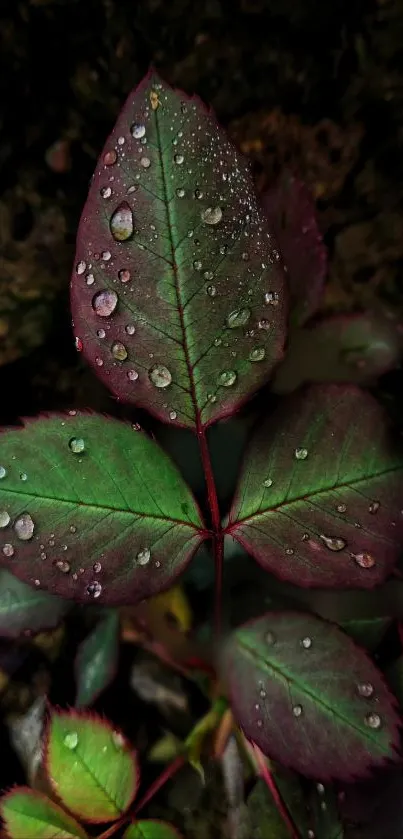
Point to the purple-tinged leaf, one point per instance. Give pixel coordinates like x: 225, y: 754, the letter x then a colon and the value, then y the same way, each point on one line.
x: 93, y: 509
x: 151, y: 829
x: 23, y: 608
x: 309, y: 697
x: 320, y: 493
x: 97, y: 659
x: 31, y: 815
x: 355, y: 348
x: 90, y: 765
x: 178, y: 290
x: 291, y: 213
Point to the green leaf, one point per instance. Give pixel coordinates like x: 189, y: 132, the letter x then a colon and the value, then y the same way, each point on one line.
x: 30, y: 815
x: 178, y: 289
x: 319, y: 497
x: 368, y: 632
x: 326, y: 820
x: 90, y: 765
x: 24, y: 608
x: 93, y: 509
x: 150, y: 829
x: 263, y: 816
x: 97, y: 659
x: 295, y: 680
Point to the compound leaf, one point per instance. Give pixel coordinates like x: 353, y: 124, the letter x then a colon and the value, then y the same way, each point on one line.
x: 93, y: 509
x: 177, y: 291
x: 24, y: 608
x: 97, y: 659
x: 30, y: 815
x: 319, y: 497
x: 150, y: 829
x: 309, y: 697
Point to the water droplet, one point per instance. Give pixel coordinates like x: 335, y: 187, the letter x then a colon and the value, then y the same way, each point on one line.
x: 97, y: 567
x: 145, y: 162
x: 179, y: 158
x: 3, y: 472
x: 122, y: 224
x: 227, y: 378
x: 138, y: 130
x: 180, y: 192
x: 76, y: 445
x: 71, y: 740
x: 4, y: 518
x: 208, y: 275
x: 104, y: 303
x: 101, y: 333
x: 333, y: 543
x: 73, y: 528
x: 117, y: 739
x: 301, y: 454
x: 239, y: 317
x: 320, y: 788
x: 8, y: 550
x: 306, y: 643
x: 160, y: 376
x: 259, y: 723
x: 132, y: 375
x: 43, y: 555
x: 223, y: 249
x: 270, y: 638
x: 24, y: 527
x: 297, y: 710
x: 268, y: 482
x: 365, y: 689
x: 124, y: 275
x: 106, y: 192
x: 197, y: 265
x: 62, y: 565
x: 323, y: 805
x: 211, y: 290
x: 272, y: 298
x: 212, y: 215
x: 373, y: 720
x: 311, y: 834
x: 374, y: 507
x: 289, y: 551
x: 172, y: 415
x: 23, y: 476
x: 364, y: 560
x: 257, y: 354
x: 81, y: 266
x: 90, y: 279
x: 143, y: 556
x: 94, y: 589
x: 99, y: 361
x: 78, y: 344
x: 110, y: 157
x: 264, y: 324
x: 341, y: 508
x: 119, y: 351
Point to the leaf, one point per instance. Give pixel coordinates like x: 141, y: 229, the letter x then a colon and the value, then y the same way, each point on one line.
x: 326, y: 820
x: 97, y: 659
x: 30, y: 815
x: 319, y: 497
x: 368, y: 632
x: 150, y: 829
x: 90, y: 765
x: 355, y: 348
x: 394, y: 675
x: 177, y: 292
x: 23, y: 608
x: 295, y: 680
x: 264, y: 818
x: 291, y: 213
x: 174, y: 603
x: 93, y: 509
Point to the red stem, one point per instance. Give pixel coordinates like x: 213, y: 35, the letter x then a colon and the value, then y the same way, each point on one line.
x: 267, y: 777
x: 218, y: 537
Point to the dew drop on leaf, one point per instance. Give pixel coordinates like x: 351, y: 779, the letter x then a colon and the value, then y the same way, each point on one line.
x: 8, y: 550
x: 211, y: 290
x: 90, y: 279
x: 270, y: 638
x: 180, y: 192
x: 341, y: 508
x: 106, y: 192
x: 76, y: 445
x: 138, y: 130
x: 23, y: 476
x: 124, y: 275
x: 297, y: 710
x: 145, y: 162
x: 212, y: 215
x: 97, y: 567
x: 364, y: 560
x: 172, y: 415
x: 179, y: 158
x: 117, y: 739
x: 306, y: 643
x: 301, y: 454
x: 262, y: 694
x: 106, y: 255
x: 132, y: 375
x: 333, y: 543
x: 94, y: 589
x: 374, y: 507
x: 365, y: 689
x: 101, y: 333
x: 271, y: 298
x: 3, y: 472
x: 320, y: 788
x: 197, y: 265
x: 122, y: 225
x: 238, y: 318
x: 160, y: 376
x: 62, y: 565
x: 4, y: 518
x: 78, y: 344
x: 119, y: 351
x: 264, y: 324
x: 110, y: 157
x: 104, y: 303
x: 268, y: 483
x: 257, y: 354
x: 227, y: 378
x: 143, y: 556
x: 71, y: 740
x: 81, y: 266
x: 373, y: 720
x: 24, y: 527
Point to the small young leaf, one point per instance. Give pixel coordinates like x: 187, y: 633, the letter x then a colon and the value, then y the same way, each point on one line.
x: 97, y: 658
x: 91, y: 766
x: 319, y: 497
x: 150, y: 829
x: 24, y: 608
x: 93, y: 509
x: 294, y: 681
x: 30, y: 815
x: 368, y: 632
x: 178, y: 290
x: 291, y: 213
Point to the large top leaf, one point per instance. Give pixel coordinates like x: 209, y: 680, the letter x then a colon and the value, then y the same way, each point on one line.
x: 30, y: 815
x: 309, y: 697
x: 177, y: 290
x: 91, y: 508
x: 320, y: 494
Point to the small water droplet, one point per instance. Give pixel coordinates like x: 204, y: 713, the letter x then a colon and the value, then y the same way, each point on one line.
x: 71, y: 740
x: 211, y: 215
x: 97, y: 567
x: 262, y: 694
x: 270, y: 638
x: 297, y: 710
x: 333, y: 543
x: 306, y: 643
x: 271, y: 298
x: 268, y: 482
x: 90, y: 279
x: 259, y: 723
x: 227, y: 378
x: 76, y: 445
x: 73, y: 528
x: 211, y: 290
x: 119, y: 351
x: 223, y: 249
x: 373, y: 720
x: 364, y: 560
x: 99, y: 361
x: 138, y: 130
x: 257, y: 354
x: 301, y: 454
x: 3, y: 472
x: 8, y: 550
x: 374, y: 507
x: 81, y: 266
x: 143, y: 556
x: 110, y: 157
x: 237, y: 318
x: 24, y: 527
x: 172, y: 415
x: 124, y: 275
x: 160, y: 376
x: 320, y: 788
x: 104, y: 303
x: 289, y: 551
x: 122, y: 224
x: 145, y: 162
x: 93, y: 589
x: 101, y: 333
x: 78, y: 344
x: 365, y: 689
x: 341, y: 508
x: 62, y: 565
x: 197, y: 265
x: 117, y: 739
x: 264, y: 324
x: 180, y: 192
x: 179, y: 158
x: 23, y: 476
x: 132, y: 375
x: 311, y: 834
x: 4, y: 518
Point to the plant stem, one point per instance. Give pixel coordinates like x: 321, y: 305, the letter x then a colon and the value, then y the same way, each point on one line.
x: 218, y: 538
x: 267, y: 777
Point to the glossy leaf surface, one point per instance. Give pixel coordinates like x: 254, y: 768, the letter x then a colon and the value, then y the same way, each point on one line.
x: 30, y: 815
x: 97, y: 659
x: 25, y: 608
x: 90, y: 765
x: 294, y: 681
x: 263, y: 816
x: 151, y: 829
x: 177, y: 290
x: 93, y: 510
x: 320, y: 493
x: 291, y: 213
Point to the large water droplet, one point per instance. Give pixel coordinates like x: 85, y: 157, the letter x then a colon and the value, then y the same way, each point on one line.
x: 3, y: 472
x: 71, y: 740
x: 257, y: 354
x: 365, y: 689
x: 76, y: 445
x: 301, y: 454
x: 4, y: 518
x: 212, y: 215
x: 160, y: 376
x: 104, y: 303
x: 119, y: 351
x: 138, y: 130
x: 24, y: 527
x: 143, y: 556
x: 364, y: 560
x: 94, y: 589
x: 333, y: 543
x: 239, y: 317
x: 122, y: 224
x: 8, y: 550
x: 373, y: 720
x: 227, y: 378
